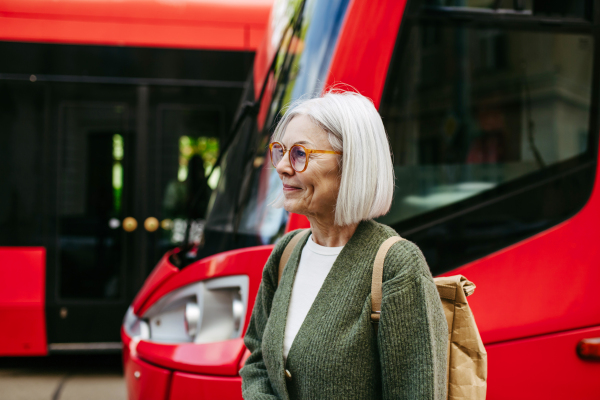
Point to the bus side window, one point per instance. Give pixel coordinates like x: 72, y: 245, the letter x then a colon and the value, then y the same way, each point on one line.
x: 475, y: 114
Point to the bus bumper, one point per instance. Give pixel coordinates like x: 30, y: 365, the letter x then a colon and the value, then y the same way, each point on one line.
x: 148, y: 380
x: 183, y: 369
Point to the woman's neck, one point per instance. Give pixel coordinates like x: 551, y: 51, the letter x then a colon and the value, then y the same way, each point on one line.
x: 325, y: 233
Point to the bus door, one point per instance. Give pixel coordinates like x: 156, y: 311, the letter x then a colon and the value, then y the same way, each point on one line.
x: 96, y: 228
x: 105, y: 151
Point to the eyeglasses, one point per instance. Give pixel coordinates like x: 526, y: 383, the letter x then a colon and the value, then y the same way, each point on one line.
x: 299, y: 155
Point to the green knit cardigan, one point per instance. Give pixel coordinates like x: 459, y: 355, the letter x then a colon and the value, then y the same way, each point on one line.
x: 337, y: 353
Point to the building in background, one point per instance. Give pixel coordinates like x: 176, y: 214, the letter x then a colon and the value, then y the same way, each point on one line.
x: 111, y: 115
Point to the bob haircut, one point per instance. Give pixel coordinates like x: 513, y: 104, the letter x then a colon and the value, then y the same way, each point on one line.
x: 354, y: 127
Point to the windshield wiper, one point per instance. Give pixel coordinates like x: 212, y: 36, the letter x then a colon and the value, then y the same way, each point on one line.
x: 283, y: 76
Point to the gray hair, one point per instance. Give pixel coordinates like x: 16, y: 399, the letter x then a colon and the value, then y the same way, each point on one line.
x: 354, y: 127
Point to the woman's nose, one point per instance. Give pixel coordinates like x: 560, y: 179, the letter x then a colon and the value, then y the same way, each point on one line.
x: 284, y: 166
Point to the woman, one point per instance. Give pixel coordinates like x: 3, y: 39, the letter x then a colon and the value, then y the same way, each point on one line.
x: 310, y: 334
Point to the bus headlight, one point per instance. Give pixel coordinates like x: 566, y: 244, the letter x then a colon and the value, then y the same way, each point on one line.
x: 134, y: 326
x: 237, y: 307
x: 207, y: 311
x: 192, y: 316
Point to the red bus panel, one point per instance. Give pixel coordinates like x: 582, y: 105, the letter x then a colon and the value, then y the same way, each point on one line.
x: 145, y: 381
x: 544, y: 284
x: 22, y: 301
x: 373, y: 47
x: 189, y: 386
x: 558, y: 372
x: 218, y: 358
x: 224, y: 25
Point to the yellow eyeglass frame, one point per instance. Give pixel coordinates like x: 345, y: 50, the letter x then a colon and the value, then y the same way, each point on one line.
x: 307, y: 151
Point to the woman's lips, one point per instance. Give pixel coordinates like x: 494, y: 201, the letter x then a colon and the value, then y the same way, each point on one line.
x: 290, y: 188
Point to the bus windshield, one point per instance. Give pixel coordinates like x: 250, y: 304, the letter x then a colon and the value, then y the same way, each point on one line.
x: 487, y: 117
x: 239, y: 212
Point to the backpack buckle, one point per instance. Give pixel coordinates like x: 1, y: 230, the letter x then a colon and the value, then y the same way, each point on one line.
x: 375, y: 317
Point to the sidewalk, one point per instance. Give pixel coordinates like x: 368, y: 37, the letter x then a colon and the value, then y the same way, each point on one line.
x: 62, y: 379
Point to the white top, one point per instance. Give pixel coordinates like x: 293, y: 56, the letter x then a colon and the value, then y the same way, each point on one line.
x: 315, y: 263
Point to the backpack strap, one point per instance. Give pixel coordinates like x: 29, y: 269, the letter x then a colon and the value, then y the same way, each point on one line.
x: 377, y: 281
x: 287, y: 252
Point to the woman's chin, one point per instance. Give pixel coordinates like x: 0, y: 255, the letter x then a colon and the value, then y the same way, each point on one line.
x: 292, y: 206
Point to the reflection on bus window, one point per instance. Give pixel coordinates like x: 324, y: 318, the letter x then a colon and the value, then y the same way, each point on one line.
x: 190, y: 149
x: 504, y: 105
x: 206, y: 147
x: 248, y: 182
x: 305, y: 61
x: 117, y: 172
x: 91, y: 184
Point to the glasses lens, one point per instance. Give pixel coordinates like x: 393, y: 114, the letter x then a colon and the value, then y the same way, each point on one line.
x: 276, y: 153
x: 298, y: 158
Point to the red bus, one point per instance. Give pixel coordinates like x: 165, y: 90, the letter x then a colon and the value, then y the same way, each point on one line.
x: 108, y: 109
x: 492, y: 112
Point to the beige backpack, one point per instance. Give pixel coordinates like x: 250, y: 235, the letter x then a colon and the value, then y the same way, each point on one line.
x: 467, y: 358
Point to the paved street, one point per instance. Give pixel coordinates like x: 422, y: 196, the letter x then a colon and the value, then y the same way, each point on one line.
x: 62, y: 378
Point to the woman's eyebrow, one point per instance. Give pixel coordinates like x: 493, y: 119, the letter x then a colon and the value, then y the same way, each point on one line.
x: 303, y: 142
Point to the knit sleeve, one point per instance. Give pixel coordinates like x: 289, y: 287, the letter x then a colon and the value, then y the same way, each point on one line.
x: 255, y: 379
x: 413, y: 333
